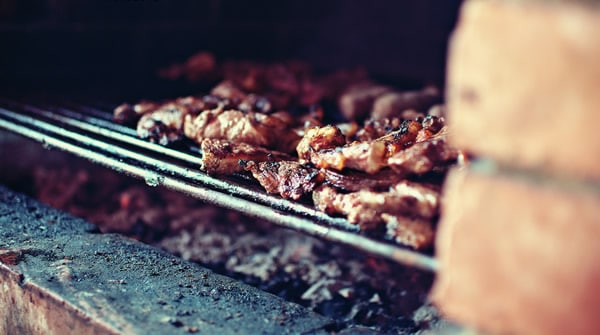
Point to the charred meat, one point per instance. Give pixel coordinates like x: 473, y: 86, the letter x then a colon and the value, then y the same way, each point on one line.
x: 163, y: 125
x: 379, y: 169
x: 130, y: 114
x: 262, y: 130
x: 424, y: 156
x: 405, y: 201
x: 327, y: 148
x: 226, y: 157
x: 371, y: 100
x: 289, y: 179
x: 365, y: 207
x: 352, y: 181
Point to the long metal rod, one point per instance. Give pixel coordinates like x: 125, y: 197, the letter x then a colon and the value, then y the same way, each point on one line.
x: 155, y: 178
x: 173, y: 169
x: 223, y: 193
x: 110, y: 130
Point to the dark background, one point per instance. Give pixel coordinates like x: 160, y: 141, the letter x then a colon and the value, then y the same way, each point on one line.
x: 117, y: 45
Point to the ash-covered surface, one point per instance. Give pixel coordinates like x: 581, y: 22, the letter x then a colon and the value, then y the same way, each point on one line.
x: 133, y: 287
x: 342, y: 283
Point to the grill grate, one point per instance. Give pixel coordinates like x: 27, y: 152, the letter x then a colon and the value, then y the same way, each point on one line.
x: 89, y: 132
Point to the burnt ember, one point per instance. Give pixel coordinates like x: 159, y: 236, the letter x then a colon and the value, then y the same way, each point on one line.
x: 353, y: 288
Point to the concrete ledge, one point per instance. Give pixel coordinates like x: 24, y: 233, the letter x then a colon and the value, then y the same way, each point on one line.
x: 57, y: 276
x: 518, y: 255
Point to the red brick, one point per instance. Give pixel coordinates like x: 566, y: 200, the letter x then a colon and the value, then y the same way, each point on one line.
x: 519, y: 256
x: 524, y: 84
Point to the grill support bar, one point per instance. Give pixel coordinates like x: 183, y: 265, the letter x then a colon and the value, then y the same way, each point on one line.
x: 120, y: 159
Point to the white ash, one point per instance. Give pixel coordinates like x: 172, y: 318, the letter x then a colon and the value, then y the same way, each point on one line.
x: 344, y: 283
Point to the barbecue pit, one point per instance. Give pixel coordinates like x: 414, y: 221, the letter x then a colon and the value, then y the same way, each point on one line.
x: 67, y: 107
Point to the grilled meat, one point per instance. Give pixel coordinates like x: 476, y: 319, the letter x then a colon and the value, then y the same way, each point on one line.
x: 163, y: 125
x: 290, y: 179
x: 281, y: 83
x: 317, y: 139
x: 365, y: 207
x: 268, y: 131
x: 325, y: 148
x: 413, y: 232
x: 312, y: 119
x: 361, y: 156
x: 374, y: 129
x: 405, y: 202
x: 200, y: 66
x: 241, y: 100
x: 212, y: 116
x: 365, y: 99
x: 357, y: 100
x: 352, y: 181
x: 424, y: 156
x: 130, y: 114
x: 393, y: 104
x: 251, y: 122
x: 228, y: 90
x: 225, y: 157
x: 163, y: 122
x: 431, y: 125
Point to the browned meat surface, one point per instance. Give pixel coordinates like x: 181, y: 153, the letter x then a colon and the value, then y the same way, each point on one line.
x: 362, y: 156
x: 268, y: 131
x: 357, y: 100
x: 314, y: 118
x: 413, y: 232
x: 282, y: 84
x: 226, y: 157
x: 365, y: 207
x: 405, y: 200
x: 424, y: 156
x: 352, y: 181
x: 432, y: 125
x: 374, y: 129
x: 163, y: 122
x: 201, y: 65
x: 325, y: 148
x: 228, y: 90
x: 212, y: 116
x: 366, y: 99
x: 393, y: 104
x: 163, y: 125
x: 290, y: 179
x: 317, y: 139
x: 130, y: 114
x: 240, y: 100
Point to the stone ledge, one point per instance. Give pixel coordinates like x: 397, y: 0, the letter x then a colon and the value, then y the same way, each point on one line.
x: 60, y: 277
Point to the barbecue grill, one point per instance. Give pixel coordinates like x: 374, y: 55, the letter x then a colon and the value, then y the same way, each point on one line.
x: 60, y: 53
x: 90, y: 133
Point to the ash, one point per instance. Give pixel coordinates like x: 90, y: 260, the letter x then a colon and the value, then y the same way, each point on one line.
x: 347, y: 285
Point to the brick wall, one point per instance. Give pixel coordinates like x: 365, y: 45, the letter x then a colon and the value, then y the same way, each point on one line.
x: 518, y: 237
